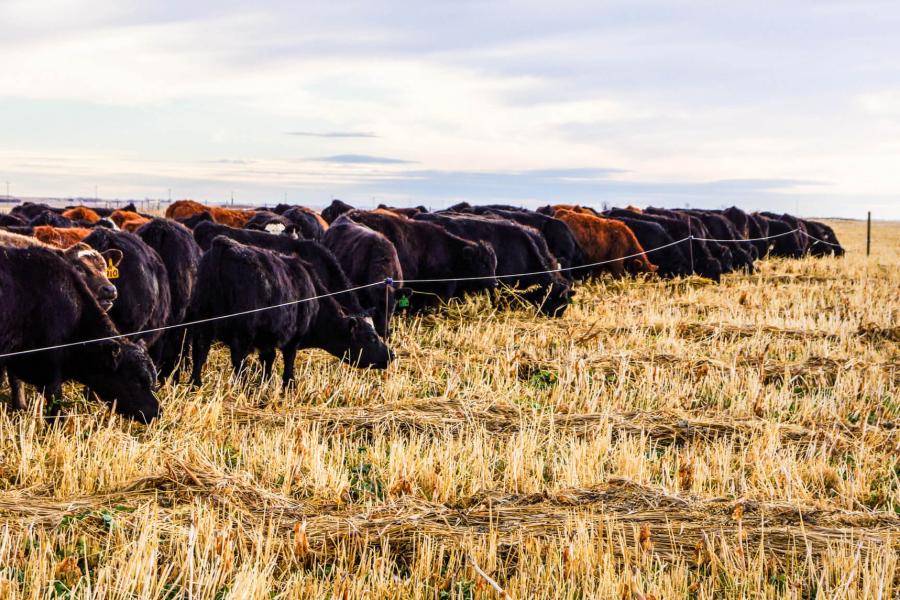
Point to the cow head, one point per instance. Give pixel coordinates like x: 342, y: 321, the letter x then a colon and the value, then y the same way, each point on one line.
x: 121, y: 371
x: 554, y: 299
x: 92, y: 266
x: 480, y: 260
x: 356, y: 343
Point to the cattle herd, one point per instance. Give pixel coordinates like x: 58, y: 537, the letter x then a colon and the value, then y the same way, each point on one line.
x: 288, y: 278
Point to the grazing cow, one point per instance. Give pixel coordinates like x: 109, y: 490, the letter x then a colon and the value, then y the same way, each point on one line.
x: 742, y: 252
x: 235, y: 278
x: 308, y: 224
x: 194, y: 220
x: 556, y: 234
x: 405, y: 212
x: 104, y: 212
x: 81, y: 213
x: 793, y: 222
x: 271, y: 222
x: 45, y: 302
x: 61, y: 237
x: 11, y: 220
x: 334, y: 210
x: 367, y: 256
x: 519, y: 250
x: 607, y: 240
x: 86, y: 261
x: 720, y: 252
x: 127, y: 220
x: 30, y: 210
x: 320, y: 259
x: 550, y: 210
x: 51, y: 218
x: 427, y: 251
x: 827, y: 242
x: 182, y: 209
x: 783, y: 241
x: 144, y: 298
x: 696, y: 251
x: 671, y: 260
x: 739, y: 219
x: 180, y: 254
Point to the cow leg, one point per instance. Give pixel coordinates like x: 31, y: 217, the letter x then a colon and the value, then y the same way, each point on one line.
x: 289, y: 354
x: 52, y: 393
x: 200, y: 344
x: 239, y: 352
x: 268, y: 361
x: 617, y: 268
x: 16, y: 393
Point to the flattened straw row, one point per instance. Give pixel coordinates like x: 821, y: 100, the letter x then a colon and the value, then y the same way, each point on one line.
x: 617, y: 507
x: 773, y: 371
x: 664, y: 428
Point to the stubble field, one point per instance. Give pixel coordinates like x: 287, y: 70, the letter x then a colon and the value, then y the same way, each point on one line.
x: 665, y: 439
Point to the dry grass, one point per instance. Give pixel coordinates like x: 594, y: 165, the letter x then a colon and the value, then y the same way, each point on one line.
x: 664, y: 439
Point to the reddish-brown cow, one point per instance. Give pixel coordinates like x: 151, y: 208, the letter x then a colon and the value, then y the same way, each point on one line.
x: 607, y: 240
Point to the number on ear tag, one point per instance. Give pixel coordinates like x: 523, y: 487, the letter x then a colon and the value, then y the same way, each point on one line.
x: 112, y: 271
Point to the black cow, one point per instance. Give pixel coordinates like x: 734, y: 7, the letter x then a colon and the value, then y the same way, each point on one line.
x: 306, y: 224
x: 180, y: 254
x: 11, y: 220
x: 144, y: 300
x: 697, y: 228
x: 30, y: 210
x: 192, y: 221
x: 427, y: 251
x: 334, y: 210
x: 367, y: 256
x: 49, y: 217
x: 802, y: 240
x: 783, y: 241
x: 235, y: 278
x: 720, y: 227
x: 671, y: 260
x: 409, y: 211
x: 826, y: 242
x: 518, y: 251
x: 326, y: 265
x: 44, y: 301
x: 556, y: 234
x: 266, y: 220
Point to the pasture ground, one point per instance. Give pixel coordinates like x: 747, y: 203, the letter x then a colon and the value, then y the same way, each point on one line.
x: 663, y: 440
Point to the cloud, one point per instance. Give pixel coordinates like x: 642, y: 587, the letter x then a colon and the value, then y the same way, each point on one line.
x: 333, y: 134
x: 361, y: 159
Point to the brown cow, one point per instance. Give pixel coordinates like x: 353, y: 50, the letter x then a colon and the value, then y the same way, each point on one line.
x: 575, y: 208
x: 82, y: 213
x: 61, y: 237
x: 182, y: 209
x: 127, y: 220
x: 607, y: 240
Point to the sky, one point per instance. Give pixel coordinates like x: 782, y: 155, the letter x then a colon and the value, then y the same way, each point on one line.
x: 785, y: 106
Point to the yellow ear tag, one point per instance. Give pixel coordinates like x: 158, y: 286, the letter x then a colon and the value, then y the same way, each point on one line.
x: 112, y: 271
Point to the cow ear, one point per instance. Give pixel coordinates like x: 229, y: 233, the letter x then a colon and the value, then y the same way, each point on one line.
x: 111, y: 352
x: 113, y: 255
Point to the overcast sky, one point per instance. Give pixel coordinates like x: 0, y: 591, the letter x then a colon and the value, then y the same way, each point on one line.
x: 789, y: 106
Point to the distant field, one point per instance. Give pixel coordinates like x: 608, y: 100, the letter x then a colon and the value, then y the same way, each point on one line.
x: 665, y: 439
